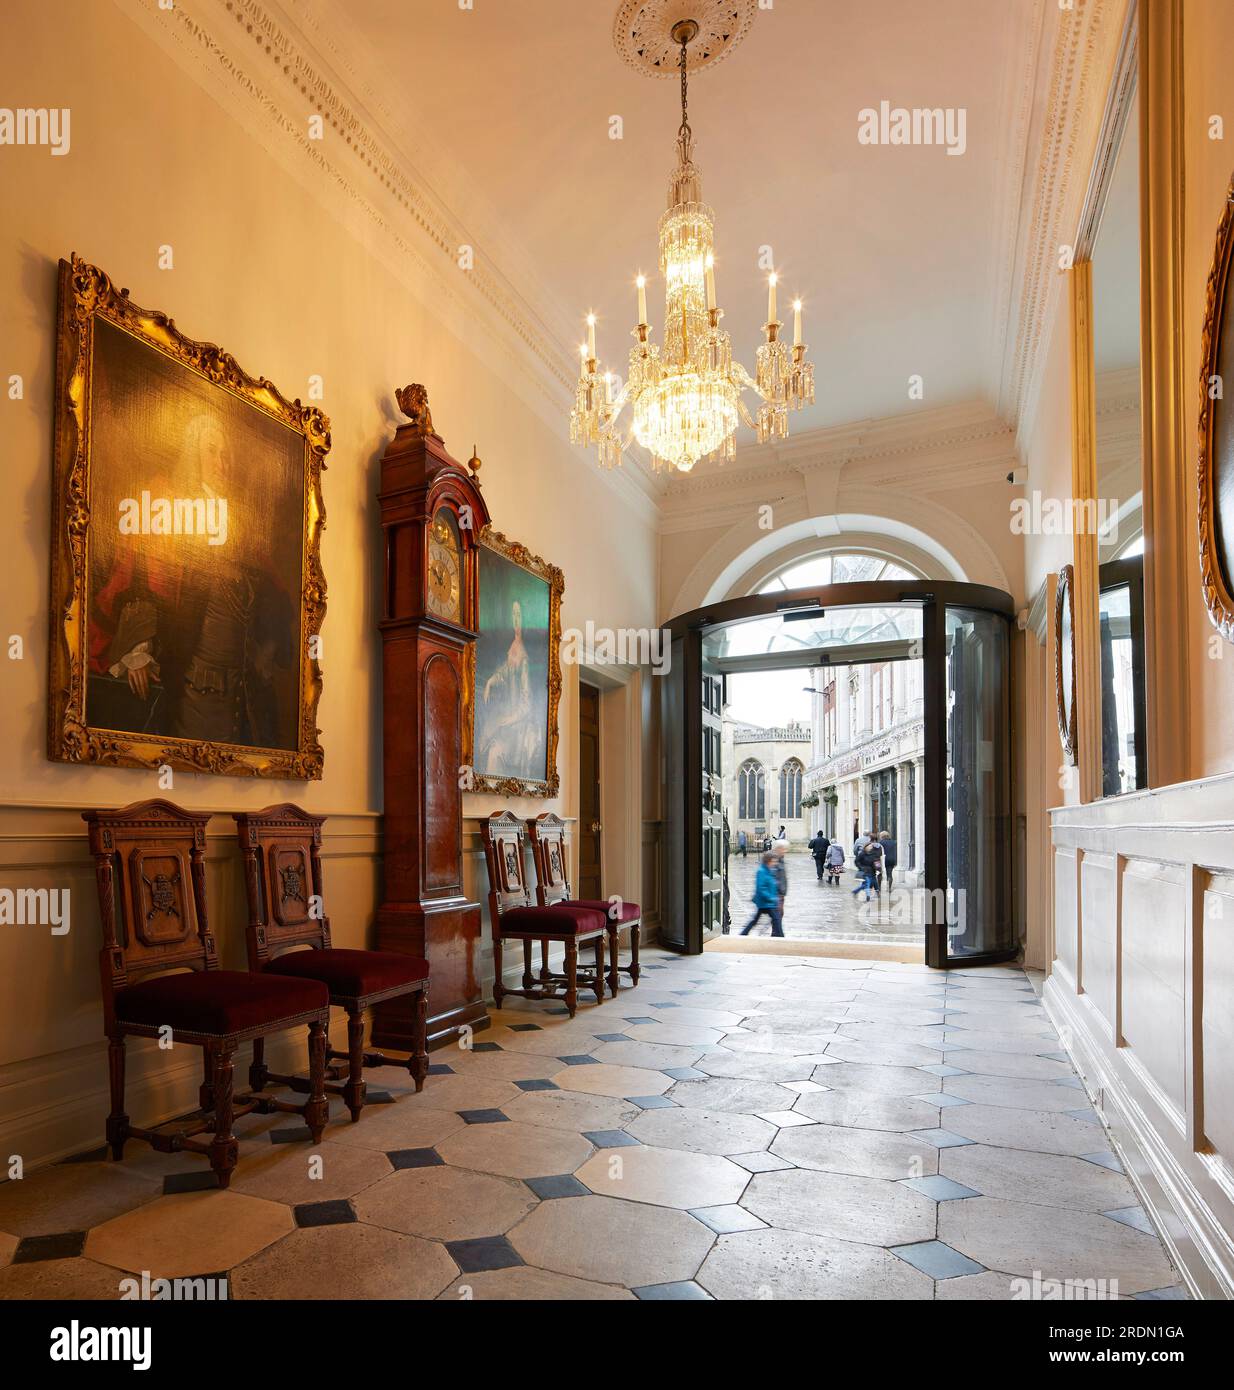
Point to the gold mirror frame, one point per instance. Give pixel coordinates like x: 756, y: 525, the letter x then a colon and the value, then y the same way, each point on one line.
x: 87, y: 294
x: 518, y: 786
x: 1214, y: 584
x: 1064, y: 700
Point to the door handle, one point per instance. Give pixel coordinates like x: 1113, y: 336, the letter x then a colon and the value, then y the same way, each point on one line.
x: 596, y: 827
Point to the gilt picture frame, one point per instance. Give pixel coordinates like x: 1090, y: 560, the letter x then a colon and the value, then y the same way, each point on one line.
x: 514, y: 672
x: 187, y: 593
x: 1215, y: 471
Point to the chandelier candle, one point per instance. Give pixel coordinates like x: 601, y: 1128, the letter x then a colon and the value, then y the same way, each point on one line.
x: 685, y: 396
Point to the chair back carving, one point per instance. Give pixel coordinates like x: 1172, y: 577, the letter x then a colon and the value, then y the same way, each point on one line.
x: 548, y: 849
x: 281, y: 846
x: 503, y: 853
x: 149, y: 864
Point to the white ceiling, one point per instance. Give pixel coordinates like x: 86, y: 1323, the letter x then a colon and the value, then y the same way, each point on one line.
x: 903, y: 255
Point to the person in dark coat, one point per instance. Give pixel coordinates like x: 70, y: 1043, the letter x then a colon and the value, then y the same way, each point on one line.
x: 819, y: 846
x: 891, y: 854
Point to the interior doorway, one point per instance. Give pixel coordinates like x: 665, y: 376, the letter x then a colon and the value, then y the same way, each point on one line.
x: 960, y: 791
x: 590, y: 825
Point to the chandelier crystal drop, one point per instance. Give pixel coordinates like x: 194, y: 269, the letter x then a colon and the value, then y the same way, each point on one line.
x: 685, y: 397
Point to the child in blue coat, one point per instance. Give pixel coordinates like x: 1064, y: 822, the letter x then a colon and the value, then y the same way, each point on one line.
x: 766, y: 897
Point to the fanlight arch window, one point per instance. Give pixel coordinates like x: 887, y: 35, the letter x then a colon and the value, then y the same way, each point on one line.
x: 836, y: 567
x: 790, y: 789
x: 751, y: 791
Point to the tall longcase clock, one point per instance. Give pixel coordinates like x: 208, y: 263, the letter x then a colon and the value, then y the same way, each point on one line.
x: 431, y: 514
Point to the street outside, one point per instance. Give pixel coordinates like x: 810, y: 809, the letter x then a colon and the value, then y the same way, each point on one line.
x: 817, y: 910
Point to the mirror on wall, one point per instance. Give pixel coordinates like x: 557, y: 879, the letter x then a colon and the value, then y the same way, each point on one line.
x: 1118, y: 458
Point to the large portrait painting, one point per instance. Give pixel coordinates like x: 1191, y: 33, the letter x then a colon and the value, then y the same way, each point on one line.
x: 1216, y: 454
x: 516, y: 683
x: 187, y: 592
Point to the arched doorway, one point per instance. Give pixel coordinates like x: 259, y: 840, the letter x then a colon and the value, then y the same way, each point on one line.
x: 961, y: 634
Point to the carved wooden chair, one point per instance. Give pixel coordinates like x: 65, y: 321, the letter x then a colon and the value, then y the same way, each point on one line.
x: 282, y: 876
x: 548, y: 849
x: 152, y: 899
x: 513, y: 917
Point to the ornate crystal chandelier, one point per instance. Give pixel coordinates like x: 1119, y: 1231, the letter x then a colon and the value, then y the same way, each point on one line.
x: 685, y: 397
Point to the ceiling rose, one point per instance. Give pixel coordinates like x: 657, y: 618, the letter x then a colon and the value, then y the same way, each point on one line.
x: 643, y: 32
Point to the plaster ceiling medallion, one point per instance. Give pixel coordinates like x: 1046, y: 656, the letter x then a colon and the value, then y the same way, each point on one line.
x: 643, y: 32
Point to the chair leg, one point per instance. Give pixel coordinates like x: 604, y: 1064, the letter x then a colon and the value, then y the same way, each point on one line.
x: 499, y: 990
x: 572, y: 976
x: 117, y: 1121
x: 259, y: 1073
x: 205, y: 1093
x: 598, y: 986
x: 529, y: 980
x: 635, y: 934
x: 417, y: 1063
x: 545, y: 972
x: 354, y: 1090
x: 317, y: 1108
x: 224, y: 1149
x: 614, y: 958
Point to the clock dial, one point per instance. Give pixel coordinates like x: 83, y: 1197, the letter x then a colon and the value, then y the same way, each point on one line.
x: 444, y: 590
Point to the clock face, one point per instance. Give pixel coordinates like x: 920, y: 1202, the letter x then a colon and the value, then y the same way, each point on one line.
x: 444, y: 590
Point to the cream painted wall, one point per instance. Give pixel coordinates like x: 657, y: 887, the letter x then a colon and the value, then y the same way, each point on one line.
x: 1208, y: 41
x: 292, y: 284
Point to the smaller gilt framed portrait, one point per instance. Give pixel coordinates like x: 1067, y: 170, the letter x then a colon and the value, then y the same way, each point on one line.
x: 1216, y: 433
x: 510, y: 742
x: 1064, y: 661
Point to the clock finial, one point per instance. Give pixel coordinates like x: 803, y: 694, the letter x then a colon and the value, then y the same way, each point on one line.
x: 413, y: 402
x: 474, y: 462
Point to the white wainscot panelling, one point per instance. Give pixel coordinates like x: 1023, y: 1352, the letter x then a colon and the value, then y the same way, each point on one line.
x: 1218, y: 1020
x: 1154, y: 930
x: 1066, y: 917
x: 1099, y: 918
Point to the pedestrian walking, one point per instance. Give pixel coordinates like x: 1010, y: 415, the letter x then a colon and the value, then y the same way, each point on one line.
x: 766, y: 899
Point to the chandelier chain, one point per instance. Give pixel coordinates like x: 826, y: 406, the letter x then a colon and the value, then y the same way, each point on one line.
x: 684, y: 131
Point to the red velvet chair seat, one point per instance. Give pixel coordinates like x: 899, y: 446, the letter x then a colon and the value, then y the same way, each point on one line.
x: 351, y: 974
x: 563, y: 919
x: 219, y: 1002
x: 626, y: 912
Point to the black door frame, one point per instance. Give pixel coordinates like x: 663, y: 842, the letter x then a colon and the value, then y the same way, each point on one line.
x: 686, y: 633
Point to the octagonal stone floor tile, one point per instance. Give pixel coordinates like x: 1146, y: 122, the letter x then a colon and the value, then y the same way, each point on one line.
x: 674, y: 1034
x: 732, y: 1093
x: 664, y: 1177
x: 552, y: 1041
x: 189, y: 1233
x: 750, y: 1066
x: 865, y: 1109
x: 792, y: 1265
x: 1042, y: 1130
x: 985, y: 1287
x: 498, y: 1066
x: 467, y: 1090
x: 702, y: 1131
x: 73, y: 1197
x: 284, y: 1172
x: 870, y: 1211
x: 1054, y: 1180
x: 398, y: 1126
x: 612, y: 1242
x: 990, y: 1040
x: 516, y: 1150
x: 862, y: 1152
x: 1010, y: 1064
x: 604, y: 1079
x: 525, y: 1284
x: 1018, y: 1238
x: 690, y: 1016
x: 571, y: 1110
x: 652, y: 1056
x: 781, y: 1018
x: 345, y: 1262
x: 1019, y: 1093
x: 883, y: 1054
x: 444, y: 1203
x: 780, y: 1044
x: 883, y: 1080
x: 891, y: 1035
x: 60, y: 1281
